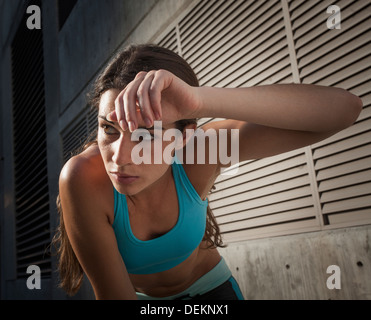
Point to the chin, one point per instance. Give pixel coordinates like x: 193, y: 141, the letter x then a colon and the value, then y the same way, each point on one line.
x: 128, y: 191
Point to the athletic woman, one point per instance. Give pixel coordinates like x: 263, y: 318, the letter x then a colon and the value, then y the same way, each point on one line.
x: 145, y: 230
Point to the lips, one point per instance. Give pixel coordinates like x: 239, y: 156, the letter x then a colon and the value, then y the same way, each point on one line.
x: 124, y: 178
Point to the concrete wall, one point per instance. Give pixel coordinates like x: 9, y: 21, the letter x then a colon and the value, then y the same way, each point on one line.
x: 295, y: 266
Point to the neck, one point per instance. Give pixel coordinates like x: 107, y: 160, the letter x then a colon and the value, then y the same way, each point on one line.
x: 152, y: 195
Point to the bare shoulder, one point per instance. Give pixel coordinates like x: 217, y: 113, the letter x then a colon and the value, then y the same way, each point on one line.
x: 86, y: 195
x: 86, y: 165
x: 83, y: 179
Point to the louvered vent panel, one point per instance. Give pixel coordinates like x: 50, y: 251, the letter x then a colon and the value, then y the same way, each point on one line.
x: 30, y: 151
x: 79, y: 132
x: 270, y: 196
x: 170, y: 41
x: 340, y: 58
x: 244, y: 43
x: 236, y: 43
x: 92, y: 122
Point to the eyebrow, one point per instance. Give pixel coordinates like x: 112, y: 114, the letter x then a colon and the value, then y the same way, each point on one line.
x: 151, y: 128
x: 105, y: 119
x: 114, y: 123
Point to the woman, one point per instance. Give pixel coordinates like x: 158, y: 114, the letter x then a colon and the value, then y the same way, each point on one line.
x: 145, y: 230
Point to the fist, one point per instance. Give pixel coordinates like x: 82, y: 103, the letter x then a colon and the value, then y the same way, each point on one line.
x: 155, y: 95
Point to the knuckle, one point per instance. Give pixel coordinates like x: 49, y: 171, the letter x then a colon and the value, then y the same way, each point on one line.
x: 161, y: 72
x: 129, y: 92
x: 140, y: 91
x: 141, y: 74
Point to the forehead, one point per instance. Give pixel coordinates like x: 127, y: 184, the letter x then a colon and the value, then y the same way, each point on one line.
x: 107, y: 101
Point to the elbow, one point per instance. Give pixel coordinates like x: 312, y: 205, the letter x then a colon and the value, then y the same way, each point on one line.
x: 352, y: 108
x: 358, y: 105
x: 355, y: 106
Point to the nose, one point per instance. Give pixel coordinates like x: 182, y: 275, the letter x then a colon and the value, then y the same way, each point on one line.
x: 122, y: 150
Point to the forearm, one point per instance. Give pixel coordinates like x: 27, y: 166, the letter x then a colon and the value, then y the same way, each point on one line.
x: 286, y: 106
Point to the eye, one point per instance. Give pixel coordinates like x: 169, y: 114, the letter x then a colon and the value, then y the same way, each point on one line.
x: 107, y: 129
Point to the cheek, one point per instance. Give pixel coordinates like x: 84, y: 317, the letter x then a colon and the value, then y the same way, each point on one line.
x: 104, y: 148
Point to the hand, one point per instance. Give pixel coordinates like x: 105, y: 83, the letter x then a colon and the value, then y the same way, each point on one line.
x: 155, y: 95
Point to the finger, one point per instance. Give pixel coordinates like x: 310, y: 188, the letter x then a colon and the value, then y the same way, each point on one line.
x: 159, y: 83
x: 144, y: 100
x: 130, y: 108
x: 119, y: 110
x: 130, y: 98
x: 112, y: 116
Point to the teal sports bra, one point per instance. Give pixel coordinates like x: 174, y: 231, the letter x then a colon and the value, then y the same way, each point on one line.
x: 172, y: 248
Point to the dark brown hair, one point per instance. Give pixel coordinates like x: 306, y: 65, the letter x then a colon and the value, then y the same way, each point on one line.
x: 121, y: 71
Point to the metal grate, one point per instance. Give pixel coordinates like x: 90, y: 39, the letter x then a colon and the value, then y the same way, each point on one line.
x: 339, y: 58
x: 170, y: 41
x: 82, y: 130
x: 30, y: 151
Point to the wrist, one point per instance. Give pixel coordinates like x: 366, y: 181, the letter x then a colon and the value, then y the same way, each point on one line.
x: 203, y: 109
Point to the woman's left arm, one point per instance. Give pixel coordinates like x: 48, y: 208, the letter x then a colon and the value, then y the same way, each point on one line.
x: 273, y: 119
